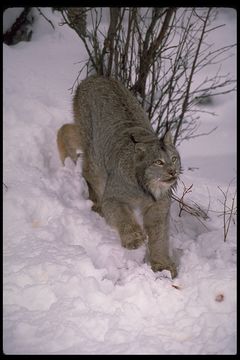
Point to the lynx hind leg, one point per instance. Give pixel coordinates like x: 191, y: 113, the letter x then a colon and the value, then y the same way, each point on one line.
x: 95, y: 182
x: 69, y: 142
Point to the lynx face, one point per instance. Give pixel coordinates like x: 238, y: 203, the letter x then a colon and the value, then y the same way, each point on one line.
x: 157, y: 166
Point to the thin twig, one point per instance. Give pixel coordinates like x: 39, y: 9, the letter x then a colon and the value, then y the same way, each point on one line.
x: 226, y: 221
x: 49, y: 21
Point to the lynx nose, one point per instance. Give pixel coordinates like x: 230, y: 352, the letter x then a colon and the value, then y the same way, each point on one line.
x: 172, y: 172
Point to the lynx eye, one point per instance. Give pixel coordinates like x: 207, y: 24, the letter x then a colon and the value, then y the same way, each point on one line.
x: 159, y: 162
x: 174, y: 158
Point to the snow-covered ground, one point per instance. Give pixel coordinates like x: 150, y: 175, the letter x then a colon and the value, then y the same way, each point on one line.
x: 68, y: 285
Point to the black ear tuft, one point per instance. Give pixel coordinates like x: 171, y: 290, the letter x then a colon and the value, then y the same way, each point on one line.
x: 133, y: 139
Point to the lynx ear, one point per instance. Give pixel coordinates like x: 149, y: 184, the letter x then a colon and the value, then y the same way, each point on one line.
x: 167, y: 139
x: 141, y: 135
x: 138, y: 146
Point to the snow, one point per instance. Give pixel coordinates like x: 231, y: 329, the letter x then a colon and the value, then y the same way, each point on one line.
x: 68, y: 285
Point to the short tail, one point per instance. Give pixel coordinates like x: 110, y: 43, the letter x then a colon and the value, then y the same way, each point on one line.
x: 69, y: 142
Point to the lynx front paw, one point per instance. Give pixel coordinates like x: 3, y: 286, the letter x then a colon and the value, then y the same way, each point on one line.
x: 132, y: 240
x: 165, y: 264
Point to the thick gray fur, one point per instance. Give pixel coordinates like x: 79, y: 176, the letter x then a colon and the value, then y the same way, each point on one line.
x: 126, y: 166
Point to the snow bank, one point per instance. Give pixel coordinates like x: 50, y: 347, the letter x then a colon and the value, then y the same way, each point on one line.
x: 69, y: 286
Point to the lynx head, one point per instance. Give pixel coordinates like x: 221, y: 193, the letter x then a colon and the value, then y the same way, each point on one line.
x: 157, y: 163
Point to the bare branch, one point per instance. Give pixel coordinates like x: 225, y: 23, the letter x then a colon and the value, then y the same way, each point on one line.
x: 148, y: 54
x: 156, y: 53
x: 186, y: 99
x: 49, y: 21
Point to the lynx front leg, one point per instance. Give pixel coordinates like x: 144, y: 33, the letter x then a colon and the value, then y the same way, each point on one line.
x: 120, y: 216
x: 95, y: 185
x: 156, y: 223
x: 93, y: 196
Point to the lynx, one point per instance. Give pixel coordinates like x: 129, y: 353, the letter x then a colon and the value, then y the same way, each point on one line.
x: 125, y: 165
